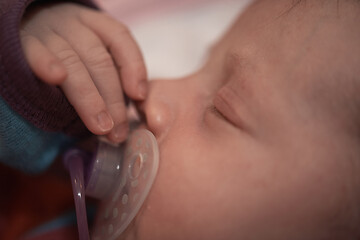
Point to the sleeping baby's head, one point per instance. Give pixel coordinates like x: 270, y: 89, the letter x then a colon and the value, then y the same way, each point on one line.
x: 263, y: 141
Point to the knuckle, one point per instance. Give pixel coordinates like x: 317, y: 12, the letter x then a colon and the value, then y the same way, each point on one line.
x: 88, y: 97
x: 99, y: 58
x: 118, y: 104
x: 118, y: 108
x: 68, y: 57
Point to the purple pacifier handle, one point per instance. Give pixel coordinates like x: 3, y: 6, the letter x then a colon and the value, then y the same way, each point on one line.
x: 74, y: 162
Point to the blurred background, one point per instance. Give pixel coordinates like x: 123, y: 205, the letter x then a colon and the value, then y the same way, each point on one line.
x: 175, y: 35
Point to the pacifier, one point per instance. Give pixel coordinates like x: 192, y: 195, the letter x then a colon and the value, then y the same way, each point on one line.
x: 121, y: 177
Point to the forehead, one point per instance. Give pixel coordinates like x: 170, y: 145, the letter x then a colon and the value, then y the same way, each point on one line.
x: 309, y: 53
x: 312, y: 40
x: 298, y: 29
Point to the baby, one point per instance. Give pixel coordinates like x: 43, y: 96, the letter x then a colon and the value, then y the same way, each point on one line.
x: 263, y: 141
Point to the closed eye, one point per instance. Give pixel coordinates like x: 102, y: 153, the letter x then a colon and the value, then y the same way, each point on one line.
x: 217, y: 113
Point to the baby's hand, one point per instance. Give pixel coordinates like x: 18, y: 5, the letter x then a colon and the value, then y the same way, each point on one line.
x: 91, y: 57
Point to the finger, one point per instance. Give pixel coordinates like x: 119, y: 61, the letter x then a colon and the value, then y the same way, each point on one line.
x: 43, y: 62
x: 79, y: 88
x: 106, y: 78
x: 101, y: 67
x: 124, y: 50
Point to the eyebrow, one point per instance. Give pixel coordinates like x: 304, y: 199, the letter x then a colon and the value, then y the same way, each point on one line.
x: 296, y: 3
x: 293, y: 6
x: 233, y: 61
x: 237, y: 69
x: 234, y: 96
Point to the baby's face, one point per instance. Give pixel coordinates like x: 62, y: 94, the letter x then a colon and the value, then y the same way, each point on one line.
x: 257, y: 144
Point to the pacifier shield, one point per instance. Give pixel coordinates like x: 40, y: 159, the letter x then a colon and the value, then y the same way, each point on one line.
x: 137, y: 174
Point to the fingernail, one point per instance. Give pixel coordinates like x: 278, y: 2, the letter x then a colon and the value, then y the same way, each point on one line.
x: 121, y: 132
x: 105, y: 139
x: 105, y: 121
x: 142, y: 89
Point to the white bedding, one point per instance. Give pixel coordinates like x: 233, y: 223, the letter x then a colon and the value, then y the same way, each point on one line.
x: 174, y: 35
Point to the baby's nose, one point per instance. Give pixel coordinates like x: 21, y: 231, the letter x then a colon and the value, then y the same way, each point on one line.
x: 159, y: 107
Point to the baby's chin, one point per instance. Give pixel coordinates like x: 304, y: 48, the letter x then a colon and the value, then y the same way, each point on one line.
x: 180, y: 216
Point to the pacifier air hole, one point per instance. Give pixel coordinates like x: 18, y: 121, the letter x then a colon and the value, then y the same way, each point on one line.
x: 120, y: 176
x: 137, y: 173
x: 135, y: 166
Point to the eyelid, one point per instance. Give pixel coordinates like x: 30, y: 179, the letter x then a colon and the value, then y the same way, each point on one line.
x: 223, y: 104
x: 216, y: 112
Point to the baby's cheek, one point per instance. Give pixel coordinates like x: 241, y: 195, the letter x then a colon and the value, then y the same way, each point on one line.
x: 176, y: 195
x: 193, y: 195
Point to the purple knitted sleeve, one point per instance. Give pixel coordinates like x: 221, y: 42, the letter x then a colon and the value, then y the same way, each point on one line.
x: 43, y: 105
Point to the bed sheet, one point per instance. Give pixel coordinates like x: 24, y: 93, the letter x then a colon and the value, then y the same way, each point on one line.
x: 174, y: 36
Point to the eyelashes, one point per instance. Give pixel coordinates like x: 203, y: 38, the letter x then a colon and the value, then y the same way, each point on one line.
x: 221, y: 109
x: 212, y: 109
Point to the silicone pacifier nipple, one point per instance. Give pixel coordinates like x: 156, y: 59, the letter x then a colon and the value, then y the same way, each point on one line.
x: 120, y: 176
